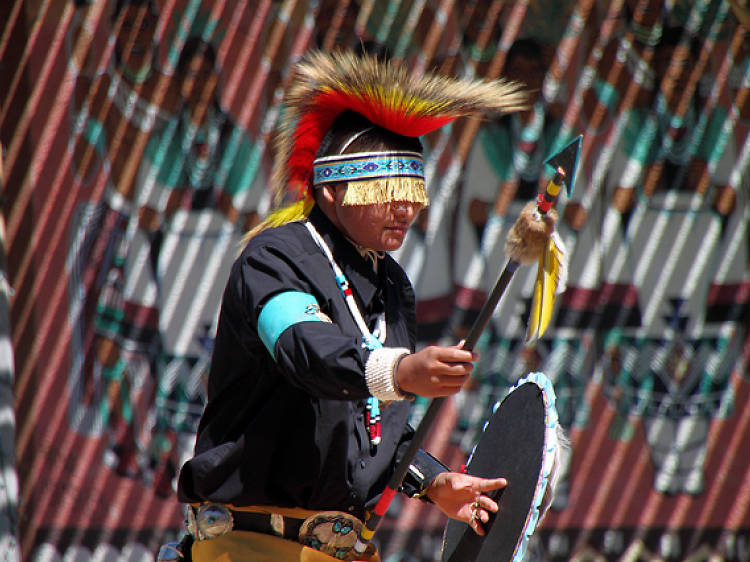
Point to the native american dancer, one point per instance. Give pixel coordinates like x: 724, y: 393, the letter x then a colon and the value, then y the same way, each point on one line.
x: 314, y: 358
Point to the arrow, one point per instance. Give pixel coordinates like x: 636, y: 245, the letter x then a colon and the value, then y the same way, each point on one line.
x: 529, y: 236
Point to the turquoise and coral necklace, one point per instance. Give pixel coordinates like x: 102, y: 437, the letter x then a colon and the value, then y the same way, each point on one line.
x: 369, y: 339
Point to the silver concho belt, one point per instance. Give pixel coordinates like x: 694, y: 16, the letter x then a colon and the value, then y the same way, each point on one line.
x: 209, y: 521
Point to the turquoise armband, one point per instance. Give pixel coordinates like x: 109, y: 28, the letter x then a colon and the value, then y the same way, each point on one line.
x: 284, y: 310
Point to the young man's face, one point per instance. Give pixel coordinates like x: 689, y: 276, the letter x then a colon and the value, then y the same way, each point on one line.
x: 136, y: 36
x: 199, y: 84
x: 673, y: 66
x: 380, y: 227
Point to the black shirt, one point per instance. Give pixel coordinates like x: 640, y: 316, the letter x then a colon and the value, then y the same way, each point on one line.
x: 290, y: 431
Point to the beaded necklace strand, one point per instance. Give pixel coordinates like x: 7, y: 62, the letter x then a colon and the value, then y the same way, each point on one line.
x: 369, y: 340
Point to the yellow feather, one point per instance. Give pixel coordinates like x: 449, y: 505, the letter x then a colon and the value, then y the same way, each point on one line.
x: 550, y: 280
x: 294, y: 212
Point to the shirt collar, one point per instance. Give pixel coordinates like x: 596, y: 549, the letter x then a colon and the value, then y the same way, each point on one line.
x: 358, y: 270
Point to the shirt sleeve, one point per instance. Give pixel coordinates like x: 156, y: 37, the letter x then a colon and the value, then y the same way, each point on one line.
x: 313, y: 345
x: 422, y: 471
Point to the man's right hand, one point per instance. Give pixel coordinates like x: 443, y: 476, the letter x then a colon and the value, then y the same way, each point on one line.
x: 435, y: 371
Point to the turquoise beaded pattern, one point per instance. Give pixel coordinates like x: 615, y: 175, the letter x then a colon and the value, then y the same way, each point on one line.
x: 366, y: 166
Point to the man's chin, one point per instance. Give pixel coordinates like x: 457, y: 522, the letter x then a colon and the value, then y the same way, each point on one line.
x: 391, y: 244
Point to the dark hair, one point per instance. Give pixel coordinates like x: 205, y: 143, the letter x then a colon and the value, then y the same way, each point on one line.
x: 120, y: 5
x: 672, y: 36
x: 373, y: 138
x: 526, y: 47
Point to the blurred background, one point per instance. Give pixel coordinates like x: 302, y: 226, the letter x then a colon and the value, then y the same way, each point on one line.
x: 136, y: 148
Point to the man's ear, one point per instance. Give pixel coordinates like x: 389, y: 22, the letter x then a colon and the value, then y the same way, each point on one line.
x: 328, y: 192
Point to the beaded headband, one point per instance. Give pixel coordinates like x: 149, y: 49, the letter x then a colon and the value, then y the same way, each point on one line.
x: 374, y: 177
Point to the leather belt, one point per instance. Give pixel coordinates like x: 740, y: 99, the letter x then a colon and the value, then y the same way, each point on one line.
x: 269, y: 524
x: 213, y: 520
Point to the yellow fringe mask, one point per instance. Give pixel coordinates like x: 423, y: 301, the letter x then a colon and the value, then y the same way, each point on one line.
x: 386, y: 190
x: 374, y: 177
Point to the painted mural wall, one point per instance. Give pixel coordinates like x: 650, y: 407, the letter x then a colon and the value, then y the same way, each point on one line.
x: 136, y: 138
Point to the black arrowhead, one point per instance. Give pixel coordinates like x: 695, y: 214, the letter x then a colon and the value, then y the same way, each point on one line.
x: 567, y: 159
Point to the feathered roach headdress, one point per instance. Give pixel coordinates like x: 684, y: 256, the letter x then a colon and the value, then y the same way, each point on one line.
x: 388, y: 96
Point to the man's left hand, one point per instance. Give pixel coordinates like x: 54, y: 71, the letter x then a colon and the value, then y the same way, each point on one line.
x: 462, y: 497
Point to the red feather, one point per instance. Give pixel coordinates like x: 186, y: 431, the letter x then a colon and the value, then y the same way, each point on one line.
x: 325, y: 107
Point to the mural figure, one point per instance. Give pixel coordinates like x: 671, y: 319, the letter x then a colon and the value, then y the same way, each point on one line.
x: 194, y: 205
x: 178, y: 194
x: 115, y: 111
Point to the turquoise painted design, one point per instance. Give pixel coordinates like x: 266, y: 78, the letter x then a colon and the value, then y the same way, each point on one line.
x: 366, y: 166
x: 607, y: 95
x: 285, y: 310
x: 95, y: 134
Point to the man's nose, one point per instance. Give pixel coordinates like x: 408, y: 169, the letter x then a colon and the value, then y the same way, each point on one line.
x: 404, y: 209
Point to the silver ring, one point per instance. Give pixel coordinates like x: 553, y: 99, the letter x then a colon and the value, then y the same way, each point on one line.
x: 475, y: 511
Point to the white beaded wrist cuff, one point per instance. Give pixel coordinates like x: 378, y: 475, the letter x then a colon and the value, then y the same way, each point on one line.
x: 380, y: 373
